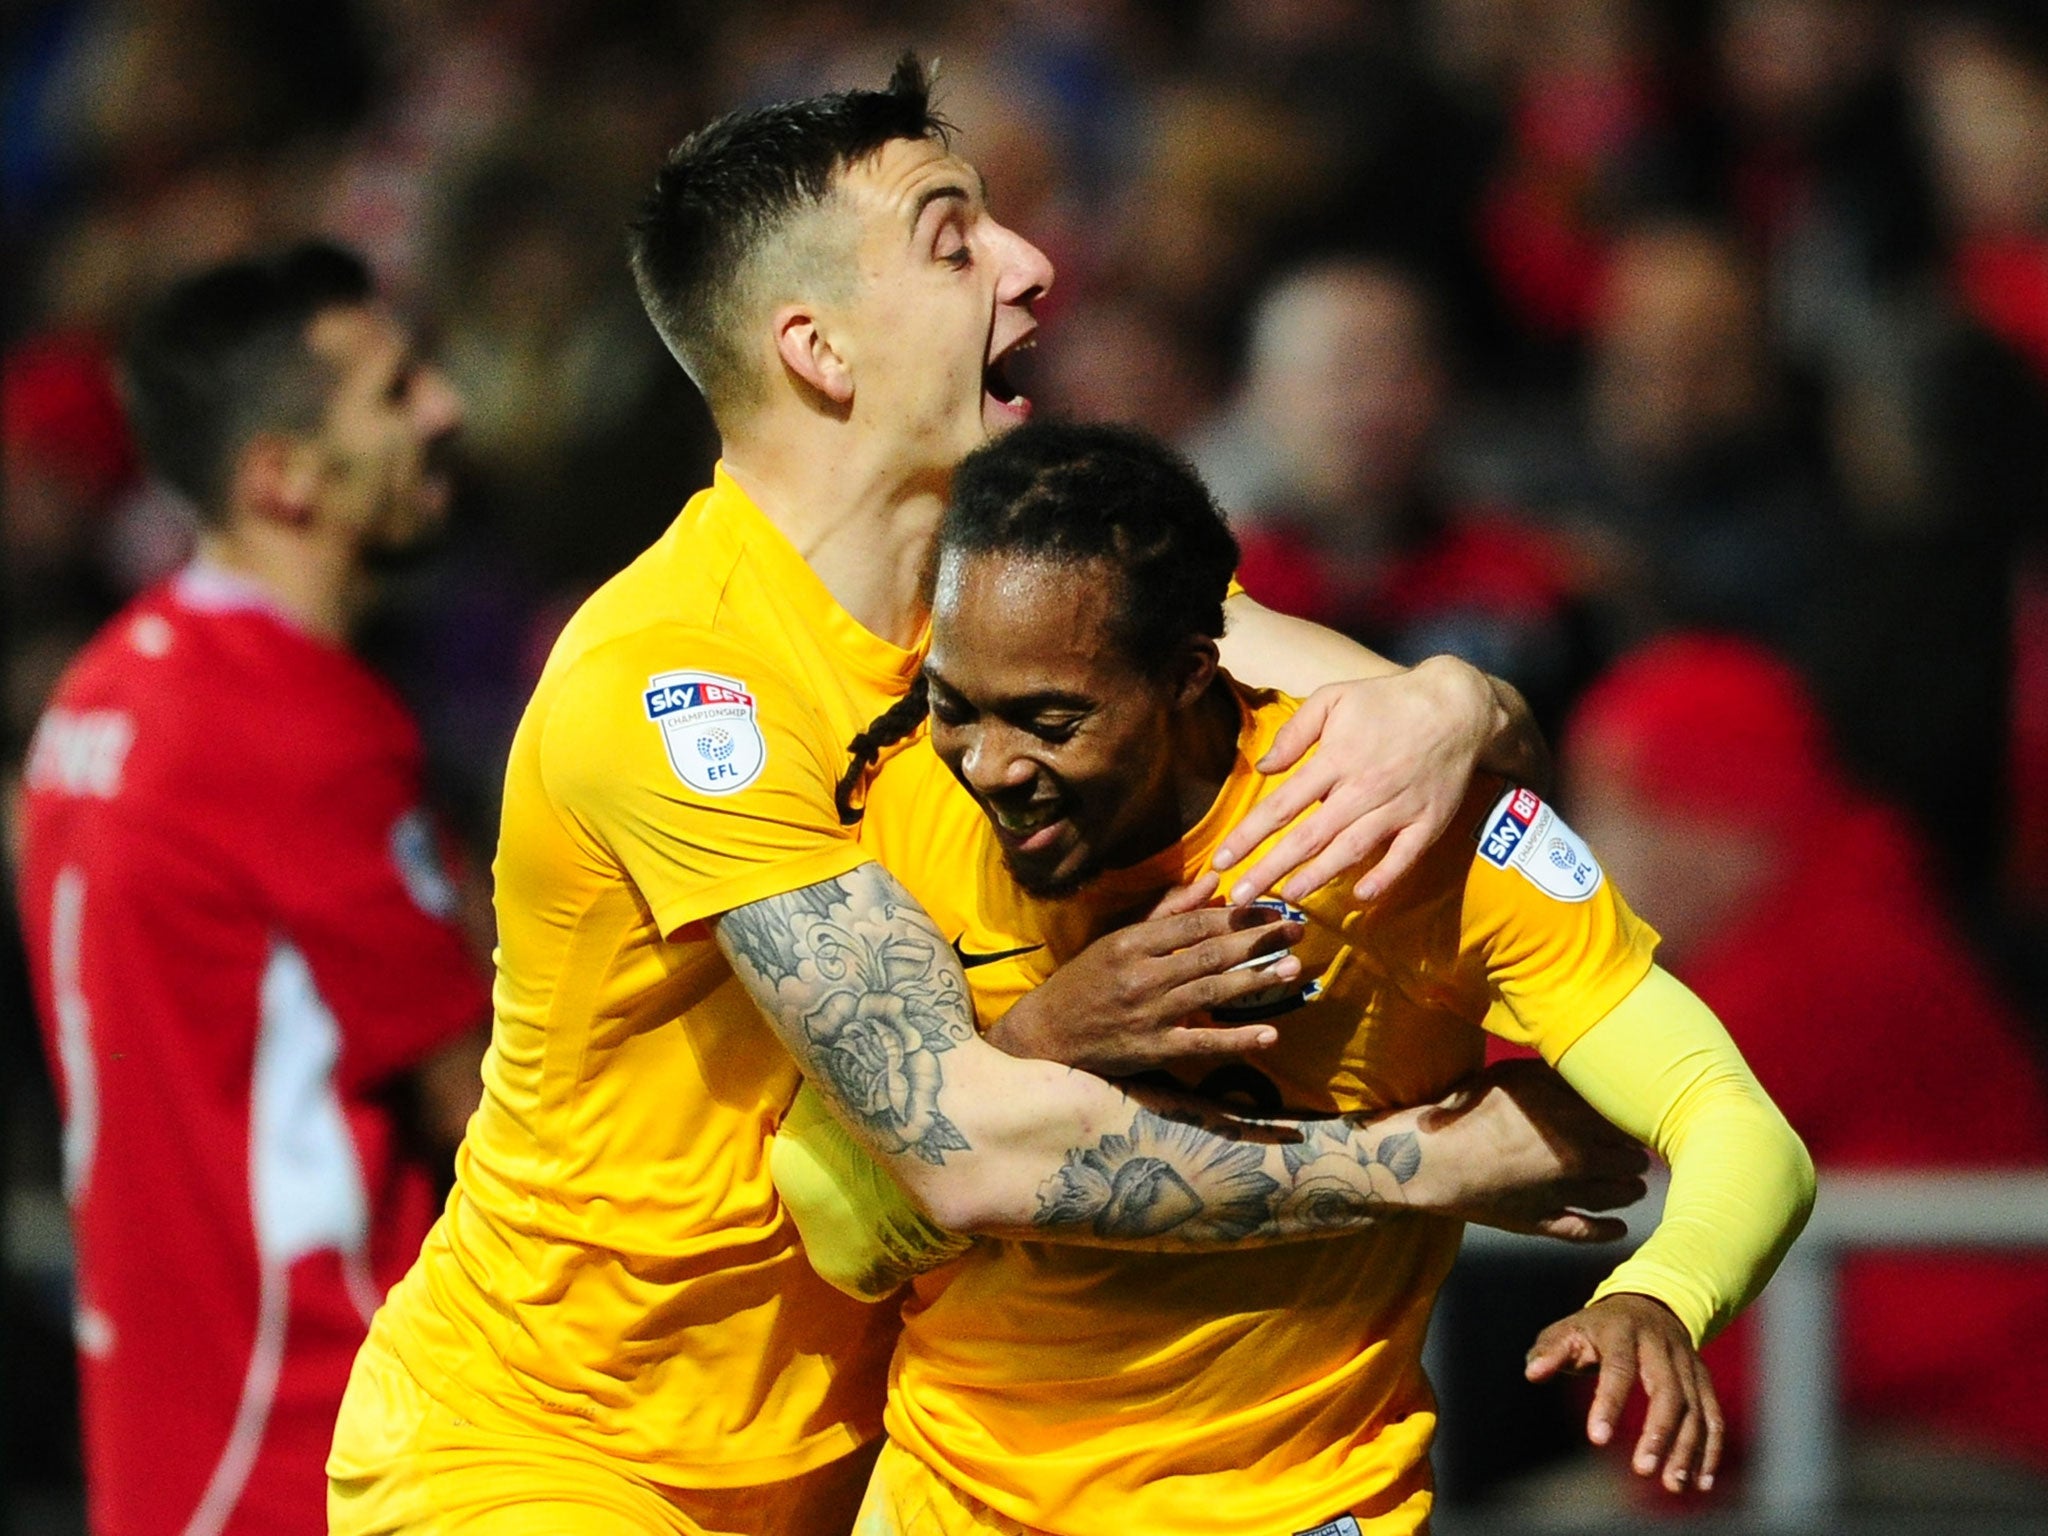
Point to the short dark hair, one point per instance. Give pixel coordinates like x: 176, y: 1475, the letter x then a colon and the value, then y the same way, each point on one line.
x: 223, y: 355
x: 731, y: 187
x: 1084, y: 493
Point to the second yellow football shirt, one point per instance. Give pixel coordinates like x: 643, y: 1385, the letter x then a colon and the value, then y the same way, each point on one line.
x: 1096, y: 1393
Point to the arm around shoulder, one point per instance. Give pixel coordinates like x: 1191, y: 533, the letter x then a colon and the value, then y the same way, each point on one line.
x: 868, y: 997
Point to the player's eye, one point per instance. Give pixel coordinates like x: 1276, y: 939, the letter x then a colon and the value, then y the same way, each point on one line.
x: 1053, y: 729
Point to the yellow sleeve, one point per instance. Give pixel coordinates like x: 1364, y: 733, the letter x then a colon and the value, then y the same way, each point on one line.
x: 706, y: 776
x: 1661, y: 1067
x: 1559, y: 944
x: 859, y: 1228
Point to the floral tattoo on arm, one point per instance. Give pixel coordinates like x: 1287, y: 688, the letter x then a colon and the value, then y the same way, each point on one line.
x: 868, y: 982
x: 868, y: 996
x: 1182, y: 1179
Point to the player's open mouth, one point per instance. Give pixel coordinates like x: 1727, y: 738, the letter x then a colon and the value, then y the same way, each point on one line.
x: 1028, y: 828
x: 998, y: 381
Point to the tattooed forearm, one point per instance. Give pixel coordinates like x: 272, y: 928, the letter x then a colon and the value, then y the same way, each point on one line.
x: 868, y: 996
x: 1184, y: 1181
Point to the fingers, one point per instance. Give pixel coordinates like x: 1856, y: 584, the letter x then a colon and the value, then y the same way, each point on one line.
x: 1333, y: 842
x: 1717, y: 1428
x: 1577, y: 1227
x: 1298, y: 734
x: 1186, y: 898
x: 1217, y: 941
x: 1606, y: 1194
x: 1610, y: 1394
x: 1635, y: 1339
x: 1186, y: 1041
x: 1281, y: 807
x: 1236, y: 934
x: 1560, y: 1347
x: 1402, y: 854
x: 1664, y: 1422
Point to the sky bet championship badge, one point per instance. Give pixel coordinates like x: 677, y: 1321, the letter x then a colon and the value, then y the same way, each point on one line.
x: 1524, y: 834
x: 1283, y: 997
x: 707, y: 724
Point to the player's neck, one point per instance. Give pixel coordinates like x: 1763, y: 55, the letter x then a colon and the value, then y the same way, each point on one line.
x: 1203, y: 754
x: 1205, y: 750
x: 863, y: 526
x: 318, y: 586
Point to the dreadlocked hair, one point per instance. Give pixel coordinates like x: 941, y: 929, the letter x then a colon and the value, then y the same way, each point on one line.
x: 892, y: 725
x: 1081, y: 495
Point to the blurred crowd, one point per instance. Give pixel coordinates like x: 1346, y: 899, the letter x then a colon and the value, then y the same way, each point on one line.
x: 1530, y: 330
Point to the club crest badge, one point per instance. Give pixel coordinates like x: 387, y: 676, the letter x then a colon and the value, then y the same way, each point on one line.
x: 1283, y: 997
x: 1523, y: 834
x: 708, y: 726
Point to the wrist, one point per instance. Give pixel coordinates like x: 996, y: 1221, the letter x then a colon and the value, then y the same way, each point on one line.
x: 1014, y: 1035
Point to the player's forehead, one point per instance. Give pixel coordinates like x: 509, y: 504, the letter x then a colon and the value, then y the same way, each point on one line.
x: 1006, y: 623
x: 905, y: 177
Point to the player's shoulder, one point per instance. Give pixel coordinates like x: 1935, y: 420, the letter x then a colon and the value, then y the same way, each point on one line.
x: 1521, y: 840
x: 670, y: 700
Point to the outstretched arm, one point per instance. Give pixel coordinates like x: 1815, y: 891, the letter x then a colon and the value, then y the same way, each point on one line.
x: 1395, y: 750
x: 867, y: 995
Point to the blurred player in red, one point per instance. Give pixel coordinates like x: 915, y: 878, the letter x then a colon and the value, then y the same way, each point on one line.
x: 1803, y: 913
x: 252, y: 986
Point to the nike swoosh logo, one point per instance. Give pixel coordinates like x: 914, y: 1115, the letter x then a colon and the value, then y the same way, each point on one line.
x: 969, y: 960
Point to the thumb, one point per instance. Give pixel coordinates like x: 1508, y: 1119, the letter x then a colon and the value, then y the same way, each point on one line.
x: 1298, y: 734
x: 1186, y: 898
x: 1557, y: 1348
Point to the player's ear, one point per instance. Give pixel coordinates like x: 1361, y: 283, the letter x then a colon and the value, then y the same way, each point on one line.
x: 1197, y: 669
x: 276, y: 480
x: 806, y: 350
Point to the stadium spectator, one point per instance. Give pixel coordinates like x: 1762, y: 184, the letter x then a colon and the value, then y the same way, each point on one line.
x: 1328, y: 466
x: 1803, y: 913
x: 1697, y: 475
x: 252, y: 990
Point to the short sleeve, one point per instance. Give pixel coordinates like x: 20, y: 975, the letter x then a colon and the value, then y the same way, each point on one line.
x: 354, y: 865
x: 1559, y: 944
x: 708, y: 777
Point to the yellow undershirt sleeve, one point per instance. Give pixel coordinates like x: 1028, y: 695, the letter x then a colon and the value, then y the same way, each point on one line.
x: 859, y: 1228
x: 1661, y: 1067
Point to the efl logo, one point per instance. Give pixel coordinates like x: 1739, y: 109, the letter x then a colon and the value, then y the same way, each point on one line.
x: 708, y: 729
x: 1500, y: 840
x: 670, y: 697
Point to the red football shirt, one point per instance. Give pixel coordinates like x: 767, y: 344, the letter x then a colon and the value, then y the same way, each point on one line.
x: 240, y: 933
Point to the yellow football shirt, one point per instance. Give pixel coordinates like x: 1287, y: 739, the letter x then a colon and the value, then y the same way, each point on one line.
x: 614, y: 1264
x: 1084, y: 1391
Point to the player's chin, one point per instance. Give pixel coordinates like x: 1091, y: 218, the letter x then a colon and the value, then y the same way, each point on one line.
x: 1058, y: 871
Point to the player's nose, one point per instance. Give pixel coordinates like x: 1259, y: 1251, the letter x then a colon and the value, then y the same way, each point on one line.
x: 990, y: 766
x: 437, y: 407
x: 1027, y: 271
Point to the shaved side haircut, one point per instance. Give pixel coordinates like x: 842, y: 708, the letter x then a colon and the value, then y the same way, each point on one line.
x: 724, y: 228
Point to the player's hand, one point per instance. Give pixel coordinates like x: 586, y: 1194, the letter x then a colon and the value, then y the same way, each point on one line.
x: 1629, y: 1338
x: 1393, y: 757
x: 1519, y: 1150
x: 1124, y: 1004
